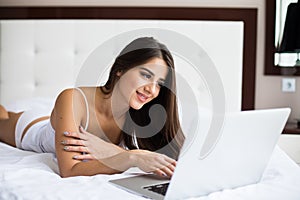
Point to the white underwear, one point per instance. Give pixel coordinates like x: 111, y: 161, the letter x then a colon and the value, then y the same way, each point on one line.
x: 39, y: 137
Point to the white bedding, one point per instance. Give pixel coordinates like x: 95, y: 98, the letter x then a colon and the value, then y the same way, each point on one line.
x: 29, y: 175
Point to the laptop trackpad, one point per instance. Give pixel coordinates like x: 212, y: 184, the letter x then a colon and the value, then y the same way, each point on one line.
x: 148, y: 185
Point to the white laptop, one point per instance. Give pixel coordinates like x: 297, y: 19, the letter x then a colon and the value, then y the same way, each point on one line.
x: 238, y: 157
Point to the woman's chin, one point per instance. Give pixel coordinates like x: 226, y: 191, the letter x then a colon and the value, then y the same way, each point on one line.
x: 136, y: 106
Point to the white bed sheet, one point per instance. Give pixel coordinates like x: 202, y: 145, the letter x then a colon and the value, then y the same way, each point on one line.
x: 29, y: 175
x: 33, y: 176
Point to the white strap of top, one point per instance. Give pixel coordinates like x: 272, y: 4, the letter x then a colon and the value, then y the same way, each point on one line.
x: 87, y: 109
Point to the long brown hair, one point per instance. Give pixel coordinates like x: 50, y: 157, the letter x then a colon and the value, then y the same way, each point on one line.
x: 170, y: 138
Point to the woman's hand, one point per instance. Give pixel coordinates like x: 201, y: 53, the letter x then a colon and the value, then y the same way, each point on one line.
x: 115, y: 157
x: 157, y: 163
x: 90, y: 145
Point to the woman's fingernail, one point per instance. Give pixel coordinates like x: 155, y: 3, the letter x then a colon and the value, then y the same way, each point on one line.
x: 66, y: 133
x: 66, y: 148
x: 63, y: 142
x: 75, y: 157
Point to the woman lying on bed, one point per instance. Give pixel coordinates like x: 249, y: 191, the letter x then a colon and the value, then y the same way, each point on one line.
x: 131, y: 121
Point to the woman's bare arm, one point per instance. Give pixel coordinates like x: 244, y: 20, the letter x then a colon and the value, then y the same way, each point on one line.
x: 116, y: 157
x: 64, y: 119
x: 93, y: 146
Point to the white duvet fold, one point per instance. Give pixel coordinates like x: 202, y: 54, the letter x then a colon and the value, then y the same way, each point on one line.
x: 28, y: 175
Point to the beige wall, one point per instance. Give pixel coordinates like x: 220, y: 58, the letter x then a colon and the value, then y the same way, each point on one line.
x: 268, y: 88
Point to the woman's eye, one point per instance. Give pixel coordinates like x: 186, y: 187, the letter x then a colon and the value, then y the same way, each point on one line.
x: 147, y: 76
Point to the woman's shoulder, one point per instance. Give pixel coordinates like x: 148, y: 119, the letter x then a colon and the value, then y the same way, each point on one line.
x: 64, y: 99
x: 70, y: 101
x: 70, y: 92
x: 66, y: 95
x: 87, y: 90
x: 75, y: 96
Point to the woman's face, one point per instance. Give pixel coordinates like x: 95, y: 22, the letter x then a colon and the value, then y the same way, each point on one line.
x: 141, y: 84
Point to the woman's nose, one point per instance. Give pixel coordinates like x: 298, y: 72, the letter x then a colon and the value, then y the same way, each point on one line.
x: 151, y: 88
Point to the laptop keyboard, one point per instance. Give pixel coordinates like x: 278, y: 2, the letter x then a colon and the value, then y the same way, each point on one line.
x: 159, y: 188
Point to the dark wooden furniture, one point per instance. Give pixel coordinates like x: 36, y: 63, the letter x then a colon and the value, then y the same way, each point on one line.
x: 270, y: 68
x: 291, y: 128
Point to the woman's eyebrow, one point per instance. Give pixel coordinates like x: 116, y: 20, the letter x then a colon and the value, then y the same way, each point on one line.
x: 150, y: 72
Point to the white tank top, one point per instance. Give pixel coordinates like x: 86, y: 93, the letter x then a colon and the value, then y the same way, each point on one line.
x: 87, y: 109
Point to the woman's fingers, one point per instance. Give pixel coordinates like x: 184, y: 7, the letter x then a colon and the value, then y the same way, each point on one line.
x: 165, y: 171
x: 81, y: 129
x: 171, y: 167
x: 84, y: 157
x: 82, y: 134
x: 82, y: 149
x: 73, y: 142
x: 170, y: 160
x: 168, y: 167
x: 159, y: 173
x: 74, y: 135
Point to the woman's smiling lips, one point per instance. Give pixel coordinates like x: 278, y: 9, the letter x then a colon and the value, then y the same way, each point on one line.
x: 143, y: 98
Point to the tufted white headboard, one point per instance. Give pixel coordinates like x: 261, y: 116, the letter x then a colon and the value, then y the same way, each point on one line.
x: 39, y: 58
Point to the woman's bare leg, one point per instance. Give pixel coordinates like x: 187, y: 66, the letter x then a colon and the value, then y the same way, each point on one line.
x: 8, y: 122
x: 3, y: 113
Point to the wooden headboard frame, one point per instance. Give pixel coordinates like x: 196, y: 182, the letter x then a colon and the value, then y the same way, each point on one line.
x: 248, y: 16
